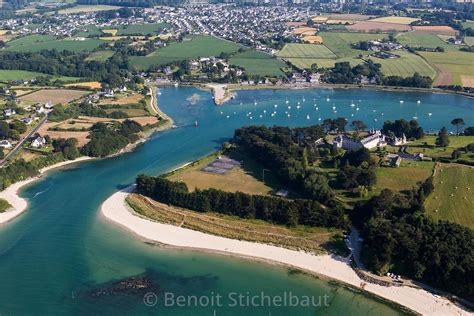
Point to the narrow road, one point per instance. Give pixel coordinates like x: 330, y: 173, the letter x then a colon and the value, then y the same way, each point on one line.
x: 18, y: 146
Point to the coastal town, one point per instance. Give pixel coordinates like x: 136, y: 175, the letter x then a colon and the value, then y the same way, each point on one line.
x: 330, y: 145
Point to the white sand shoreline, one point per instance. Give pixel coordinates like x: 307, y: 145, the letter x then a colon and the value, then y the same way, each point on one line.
x: 19, y: 204
x: 115, y: 209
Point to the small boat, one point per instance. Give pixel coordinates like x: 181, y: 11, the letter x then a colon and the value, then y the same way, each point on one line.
x: 429, y: 114
x: 333, y: 107
x: 196, y: 124
x: 176, y: 84
x: 319, y: 119
x: 304, y: 99
x: 327, y: 99
x: 418, y: 101
x: 307, y: 117
x: 401, y: 101
x: 275, y: 106
x: 352, y: 104
x: 317, y: 108
x: 298, y: 107
x: 357, y: 109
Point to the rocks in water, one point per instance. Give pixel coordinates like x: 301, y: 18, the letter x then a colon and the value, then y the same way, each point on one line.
x: 133, y: 285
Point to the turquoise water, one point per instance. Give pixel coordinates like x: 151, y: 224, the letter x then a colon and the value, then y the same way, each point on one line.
x: 61, y: 248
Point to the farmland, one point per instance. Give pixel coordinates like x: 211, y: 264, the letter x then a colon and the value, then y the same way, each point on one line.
x: 452, y: 199
x: 369, y: 26
x: 404, y: 177
x: 87, y: 8
x: 436, y: 29
x: 340, y: 42
x: 454, y: 64
x: 35, y: 43
x: 8, y: 75
x: 55, y: 96
x: 413, y: 39
x: 256, y: 63
x: 89, y: 84
x: 196, y: 46
x: 405, y: 66
x: 395, y: 19
x: 305, y: 51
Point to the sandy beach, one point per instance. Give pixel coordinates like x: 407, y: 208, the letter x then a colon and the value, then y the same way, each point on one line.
x: 420, y: 301
x: 220, y: 93
x: 19, y: 204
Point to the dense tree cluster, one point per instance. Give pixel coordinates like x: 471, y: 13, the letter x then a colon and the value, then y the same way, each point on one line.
x: 11, y: 130
x: 415, y: 81
x: 109, y: 139
x: 287, y: 153
x: 67, y: 63
x: 411, y: 129
x: 272, y: 209
x: 400, y: 239
x: 68, y: 147
x: 61, y: 113
x: 358, y: 170
x: 345, y: 74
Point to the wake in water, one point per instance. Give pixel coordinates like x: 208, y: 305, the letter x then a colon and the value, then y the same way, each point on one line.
x: 41, y: 192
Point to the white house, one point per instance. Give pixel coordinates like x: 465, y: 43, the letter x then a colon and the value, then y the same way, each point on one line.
x: 49, y: 105
x: 9, y: 112
x: 38, y: 142
x: 5, y: 144
x: 376, y: 138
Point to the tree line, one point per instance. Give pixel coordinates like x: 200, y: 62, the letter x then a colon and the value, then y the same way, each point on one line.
x: 268, y: 208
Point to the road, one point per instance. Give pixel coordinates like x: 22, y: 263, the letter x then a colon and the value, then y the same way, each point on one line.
x: 21, y: 142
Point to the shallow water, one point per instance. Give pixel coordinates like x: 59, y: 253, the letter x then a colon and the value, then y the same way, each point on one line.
x: 61, y: 248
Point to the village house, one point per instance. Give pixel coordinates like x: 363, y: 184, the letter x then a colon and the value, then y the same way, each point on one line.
x: 49, y: 105
x: 38, y: 142
x: 9, y: 112
x: 5, y: 144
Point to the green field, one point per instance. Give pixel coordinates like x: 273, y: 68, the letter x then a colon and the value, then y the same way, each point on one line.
x: 452, y: 198
x: 88, y: 8
x: 195, y: 47
x: 89, y: 31
x: 426, y: 145
x: 422, y: 40
x: 340, y: 42
x: 8, y: 75
x: 468, y: 24
x: 101, y: 55
x: 404, y: 177
x: 469, y: 40
x: 257, y: 63
x: 141, y: 29
x: 35, y: 43
x: 405, y: 66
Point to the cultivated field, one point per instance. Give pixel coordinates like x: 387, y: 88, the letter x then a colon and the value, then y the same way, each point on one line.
x: 414, y: 39
x: 405, y: 66
x: 122, y: 100
x: 8, y: 75
x: 196, y: 46
x: 467, y: 81
x: 35, y: 43
x: 395, y: 20
x: 312, y: 239
x: 257, y: 63
x: 436, y: 29
x: 452, y: 198
x: 89, y: 84
x: 55, y: 96
x: 304, y: 30
x: 369, y: 26
x: 87, y: 8
x: 305, y: 51
x: 312, y: 39
x: 452, y: 65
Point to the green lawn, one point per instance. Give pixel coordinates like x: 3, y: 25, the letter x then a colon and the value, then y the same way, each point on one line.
x: 141, y: 29
x: 404, y: 177
x: 405, y: 66
x: 452, y: 198
x: 438, y: 152
x: 101, y: 55
x: 35, y: 43
x: 7, y: 75
x: 257, y: 63
x: 194, y: 47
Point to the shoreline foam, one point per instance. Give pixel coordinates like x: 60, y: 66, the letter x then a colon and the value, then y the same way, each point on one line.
x: 115, y: 210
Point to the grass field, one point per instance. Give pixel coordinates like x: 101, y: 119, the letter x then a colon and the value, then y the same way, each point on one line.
x: 311, y: 239
x: 429, y: 149
x: 340, y: 42
x: 89, y: 31
x: 196, y: 46
x: 404, y: 177
x: 87, y: 8
x: 453, y: 63
x: 468, y: 24
x: 405, y: 66
x: 7, y: 75
x: 395, y: 19
x: 141, y: 29
x: 422, y: 40
x: 55, y: 96
x: 452, y: 198
x: 246, y: 178
x: 469, y: 40
x: 35, y: 43
x: 257, y: 63
x: 101, y: 55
